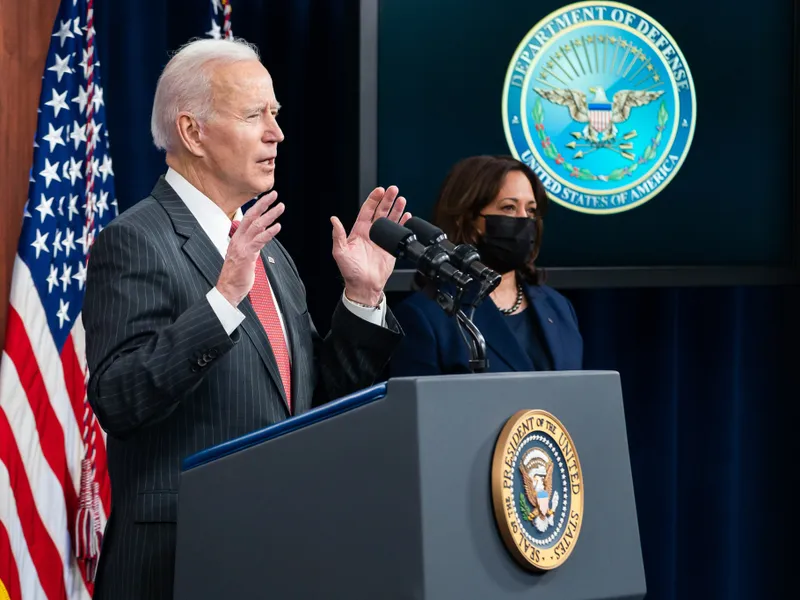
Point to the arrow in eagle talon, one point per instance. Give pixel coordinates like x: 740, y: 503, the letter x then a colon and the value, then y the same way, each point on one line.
x: 581, y: 153
x: 627, y: 155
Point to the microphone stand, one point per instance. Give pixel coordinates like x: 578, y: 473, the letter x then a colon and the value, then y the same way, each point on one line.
x: 476, y: 344
x: 478, y: 363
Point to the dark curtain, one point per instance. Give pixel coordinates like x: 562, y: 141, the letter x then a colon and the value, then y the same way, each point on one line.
x: 709, y: 383
x: 708, y: 374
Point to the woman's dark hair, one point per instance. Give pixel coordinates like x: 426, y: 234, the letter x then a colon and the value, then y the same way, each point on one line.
x: 470, y: 186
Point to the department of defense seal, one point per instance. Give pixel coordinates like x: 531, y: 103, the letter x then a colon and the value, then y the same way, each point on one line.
x: 599, y: 101
x: 537, y: 490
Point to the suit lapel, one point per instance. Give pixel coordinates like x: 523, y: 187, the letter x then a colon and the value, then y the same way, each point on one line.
x: 205, y: 256
x: 499, y: 337
x: 547, y: 321
x: 197, y: 244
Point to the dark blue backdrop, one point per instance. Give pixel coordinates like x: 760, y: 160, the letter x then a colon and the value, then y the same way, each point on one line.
x: 707, y: 374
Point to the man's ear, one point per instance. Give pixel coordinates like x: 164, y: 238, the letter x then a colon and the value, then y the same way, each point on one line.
x: 190, y: 133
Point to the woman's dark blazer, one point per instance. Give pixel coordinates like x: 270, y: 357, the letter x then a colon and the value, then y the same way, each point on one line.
x: 433, y: 344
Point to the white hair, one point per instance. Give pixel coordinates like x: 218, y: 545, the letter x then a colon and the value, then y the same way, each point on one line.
x: 185, y: 85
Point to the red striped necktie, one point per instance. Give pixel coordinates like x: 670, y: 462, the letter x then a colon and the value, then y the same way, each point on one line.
x: 264, y: 304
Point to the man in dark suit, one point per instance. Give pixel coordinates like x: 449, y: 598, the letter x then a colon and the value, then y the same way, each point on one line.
x: 197, y: 329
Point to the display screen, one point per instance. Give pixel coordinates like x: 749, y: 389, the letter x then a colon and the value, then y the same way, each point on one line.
x: 661, y: 130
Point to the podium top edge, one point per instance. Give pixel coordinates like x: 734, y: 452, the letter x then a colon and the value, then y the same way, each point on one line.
x: 347, y: 403
x: 326, y: 411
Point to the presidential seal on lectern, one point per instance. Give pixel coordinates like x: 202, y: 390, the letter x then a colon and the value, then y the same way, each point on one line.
x: 537, y: 490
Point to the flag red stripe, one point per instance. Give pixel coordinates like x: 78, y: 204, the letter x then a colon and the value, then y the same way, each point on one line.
x: 51, y: 436
x: 9, y: 576
x: 43, y: 551
x: 76, y: 388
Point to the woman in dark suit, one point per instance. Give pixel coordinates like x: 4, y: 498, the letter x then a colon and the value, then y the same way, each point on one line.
x: 495, y: 203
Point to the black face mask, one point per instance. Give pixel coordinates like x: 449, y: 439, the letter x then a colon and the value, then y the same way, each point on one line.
x: 507, y: 242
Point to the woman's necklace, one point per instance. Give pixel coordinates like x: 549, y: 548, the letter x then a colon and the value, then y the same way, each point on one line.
x: 517, y: 304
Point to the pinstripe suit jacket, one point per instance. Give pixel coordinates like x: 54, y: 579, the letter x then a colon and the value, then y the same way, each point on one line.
x: 167, y: 381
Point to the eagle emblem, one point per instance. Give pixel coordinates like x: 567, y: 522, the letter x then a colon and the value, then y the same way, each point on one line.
x: 601, y: 114
x: 597, y: 105
x: 537, y: 489
x: 536, y: 468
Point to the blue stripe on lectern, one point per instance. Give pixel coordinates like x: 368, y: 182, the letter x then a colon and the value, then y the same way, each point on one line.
x: 326, y: 411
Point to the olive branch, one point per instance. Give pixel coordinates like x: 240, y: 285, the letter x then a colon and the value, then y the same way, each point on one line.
x: 549, y: 150
x: 527, y: 511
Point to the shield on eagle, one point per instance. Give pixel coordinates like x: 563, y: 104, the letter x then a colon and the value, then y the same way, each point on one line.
x: 600, y: 116
x: 543, y: 500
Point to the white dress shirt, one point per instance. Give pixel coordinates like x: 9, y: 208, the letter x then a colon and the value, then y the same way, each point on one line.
x: 217, y: 226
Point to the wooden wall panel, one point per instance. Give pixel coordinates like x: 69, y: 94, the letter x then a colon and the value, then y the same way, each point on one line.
x: 25, y: 28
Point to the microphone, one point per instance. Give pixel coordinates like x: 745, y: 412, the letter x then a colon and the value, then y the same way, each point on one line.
x: 432, y: 262
x: 463, y: 256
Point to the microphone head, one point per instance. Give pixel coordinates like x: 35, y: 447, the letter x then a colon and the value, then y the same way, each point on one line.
x: 456, y: 276
x: 389, y: 235
x: 426, y: 233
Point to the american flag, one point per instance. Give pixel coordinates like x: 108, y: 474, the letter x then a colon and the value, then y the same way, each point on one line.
x: 220, y: 13
x: 54, y: 488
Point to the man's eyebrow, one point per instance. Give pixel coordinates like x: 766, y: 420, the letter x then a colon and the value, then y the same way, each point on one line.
x: 255, y: 108
x: 262, y: 107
